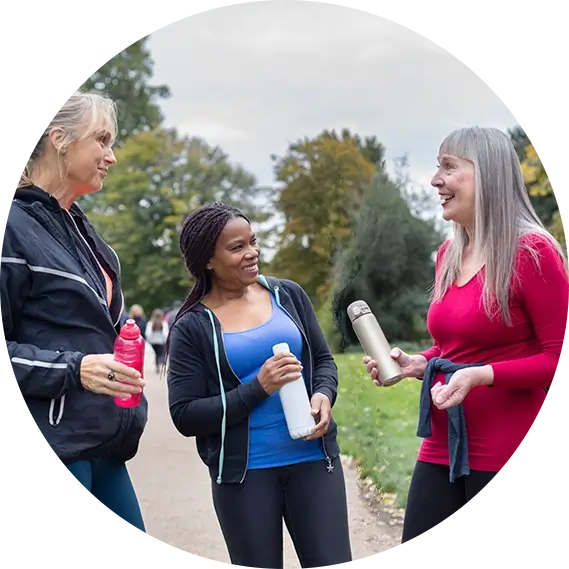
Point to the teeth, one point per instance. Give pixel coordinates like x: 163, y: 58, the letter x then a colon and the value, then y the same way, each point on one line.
x: 445, y: 199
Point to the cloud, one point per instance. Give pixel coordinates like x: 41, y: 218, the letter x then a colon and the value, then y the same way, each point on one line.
x: 255, y: 77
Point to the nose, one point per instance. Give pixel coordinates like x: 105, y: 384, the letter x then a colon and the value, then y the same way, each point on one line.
x: 437, y: 181
x: 110, y: 157
x: 253, y: 252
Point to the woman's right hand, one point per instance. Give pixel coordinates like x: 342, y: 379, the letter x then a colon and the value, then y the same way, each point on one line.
x: 279, y: 370
x: 411, y: 366
x: 95, y: 369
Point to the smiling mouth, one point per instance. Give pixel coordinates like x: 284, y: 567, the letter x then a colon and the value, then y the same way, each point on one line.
x: 445, y: 198
x: 251, y: 268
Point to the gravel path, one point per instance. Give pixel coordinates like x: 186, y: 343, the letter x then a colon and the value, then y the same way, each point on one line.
x: 175, y: 493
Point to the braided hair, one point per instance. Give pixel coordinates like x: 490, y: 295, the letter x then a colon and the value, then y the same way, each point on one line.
x: 198, y: 237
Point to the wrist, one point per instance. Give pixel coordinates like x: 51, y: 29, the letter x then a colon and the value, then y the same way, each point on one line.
x: 484, y: 375
x: 322, y: 394
x: 420, y: 364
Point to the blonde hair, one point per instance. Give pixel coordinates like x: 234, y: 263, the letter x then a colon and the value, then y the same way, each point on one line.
x: 81, y: 115
x: 136, y: 310
x: 503, y: 215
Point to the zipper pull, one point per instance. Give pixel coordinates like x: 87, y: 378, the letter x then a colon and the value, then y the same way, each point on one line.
x: 330, y: 466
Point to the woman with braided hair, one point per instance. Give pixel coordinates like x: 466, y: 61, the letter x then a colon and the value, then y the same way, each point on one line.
x: 223, y: 383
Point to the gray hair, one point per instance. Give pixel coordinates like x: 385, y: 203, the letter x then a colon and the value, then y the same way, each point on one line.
x: 81, y: 115
x: 503, y: 214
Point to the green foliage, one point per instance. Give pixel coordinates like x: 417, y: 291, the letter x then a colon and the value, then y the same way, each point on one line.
x: 377, y: 426
x: 327, y: 322
x: 125, y: 78
x: 160, y: 178
x: 323, y: 182
x: 537, y: 183
x: 389, y: 265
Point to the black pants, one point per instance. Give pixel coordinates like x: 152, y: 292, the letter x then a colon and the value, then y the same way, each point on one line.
x: 312, y: 502
x: 485, y: 512
x: 159, y: 354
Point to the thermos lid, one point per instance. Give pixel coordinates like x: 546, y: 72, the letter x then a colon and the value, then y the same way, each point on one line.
x: 357, y: 308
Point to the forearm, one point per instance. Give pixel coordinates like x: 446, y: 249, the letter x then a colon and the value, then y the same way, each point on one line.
x: 326, y: 382
x: 44, y: 373
x: 203, y: 415
x: 534, y: 372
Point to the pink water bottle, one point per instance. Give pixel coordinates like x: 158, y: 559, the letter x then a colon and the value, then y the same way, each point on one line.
x: 129, y: 350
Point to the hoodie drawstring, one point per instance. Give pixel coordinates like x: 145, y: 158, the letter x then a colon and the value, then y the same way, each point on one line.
x: 223, y: 400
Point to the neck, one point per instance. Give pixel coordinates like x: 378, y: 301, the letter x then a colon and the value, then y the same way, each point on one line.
x: 59, y: 189
x: 221, y: 292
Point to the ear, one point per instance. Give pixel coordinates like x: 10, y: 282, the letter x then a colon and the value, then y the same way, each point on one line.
x: 208, y: 266
x: 57, y: 137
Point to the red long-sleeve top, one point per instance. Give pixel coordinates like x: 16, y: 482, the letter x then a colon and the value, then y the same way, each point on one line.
x: 524, y: 356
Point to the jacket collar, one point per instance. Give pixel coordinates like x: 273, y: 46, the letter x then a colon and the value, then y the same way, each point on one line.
x: 31, y: 194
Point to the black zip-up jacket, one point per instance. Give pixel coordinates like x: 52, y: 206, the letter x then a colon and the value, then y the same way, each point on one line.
x: 209, y: 402
x: 54, y: 311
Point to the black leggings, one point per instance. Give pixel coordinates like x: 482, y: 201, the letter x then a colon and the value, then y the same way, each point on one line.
x: 485, y: 512
x: 159, y: 354
x: 312, y: 502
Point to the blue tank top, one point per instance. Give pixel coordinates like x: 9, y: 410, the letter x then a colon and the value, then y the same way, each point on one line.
x: 270, y: 444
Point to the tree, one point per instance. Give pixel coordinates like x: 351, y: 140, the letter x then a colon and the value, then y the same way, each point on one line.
x: 544, y: 202
x: 323, y: 182
x: 159, y: 178
x: 389, y: 264
x: 125, y: 78
x: 545, y: 173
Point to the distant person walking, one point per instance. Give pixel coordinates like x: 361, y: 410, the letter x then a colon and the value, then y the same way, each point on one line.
x: 137, y: 314
x: 156, y: 335
x: 173, y: 312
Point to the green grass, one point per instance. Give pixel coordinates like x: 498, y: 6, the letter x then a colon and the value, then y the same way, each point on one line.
x: 377, y: 426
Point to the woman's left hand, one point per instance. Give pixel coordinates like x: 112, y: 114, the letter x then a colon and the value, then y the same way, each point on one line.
x: 321, y: 409
x: 461, y: 382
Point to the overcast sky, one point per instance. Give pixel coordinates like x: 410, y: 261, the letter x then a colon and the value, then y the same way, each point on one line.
x: 252, y: 78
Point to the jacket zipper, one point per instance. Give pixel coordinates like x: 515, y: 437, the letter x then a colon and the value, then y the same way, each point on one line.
x: 120, y: 288
x: 108, y: 308
x: 330, y: 466
x: 129, y: 411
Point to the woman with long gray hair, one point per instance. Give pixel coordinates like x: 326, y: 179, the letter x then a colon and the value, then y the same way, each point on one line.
x: 497, y: 320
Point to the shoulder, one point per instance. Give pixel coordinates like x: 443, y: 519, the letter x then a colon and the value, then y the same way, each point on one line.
x: 441, y: 252
x: 17, y: 215
x: 539, y: 254
x: 443, y: 248
x: 292, y: 288
x: 190, y: 325
x: 20, y: 228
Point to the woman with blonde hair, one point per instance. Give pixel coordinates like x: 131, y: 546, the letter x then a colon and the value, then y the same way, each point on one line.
x: 136, y: 312
x: 497, y: 318
x: 62, y: 303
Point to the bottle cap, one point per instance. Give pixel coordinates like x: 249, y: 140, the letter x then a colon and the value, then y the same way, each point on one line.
x: 130, y: 331
x: 281, y: 348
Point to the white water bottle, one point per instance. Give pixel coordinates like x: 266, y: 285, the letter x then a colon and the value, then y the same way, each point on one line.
x: 296, y: 405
